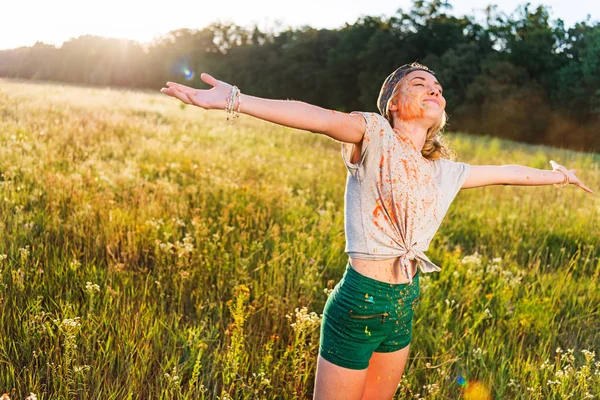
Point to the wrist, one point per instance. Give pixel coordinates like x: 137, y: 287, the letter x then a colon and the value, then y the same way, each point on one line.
x: 233, y: 103
x: 562, y: 179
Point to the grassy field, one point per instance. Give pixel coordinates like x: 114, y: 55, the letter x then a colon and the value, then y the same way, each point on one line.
x: 150, y: 250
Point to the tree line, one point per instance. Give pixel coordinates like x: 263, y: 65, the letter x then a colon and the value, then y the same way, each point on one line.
x: 520, y: 76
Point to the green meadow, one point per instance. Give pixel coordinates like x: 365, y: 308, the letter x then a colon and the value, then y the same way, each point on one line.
x: 150, y: 249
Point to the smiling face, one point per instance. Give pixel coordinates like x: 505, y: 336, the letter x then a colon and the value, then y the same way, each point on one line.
x: 419, y: 97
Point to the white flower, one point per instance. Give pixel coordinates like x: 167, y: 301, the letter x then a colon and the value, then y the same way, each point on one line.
x: 304, y: 319
x: 478, y: 352
x: 472, y: 259
x: 546, y: 364
x: 432, y: 388
x: 92, y: 288
x: 70, y: 325
x: 24, y: 252
x: 589, y: 355
x: 81, y: 368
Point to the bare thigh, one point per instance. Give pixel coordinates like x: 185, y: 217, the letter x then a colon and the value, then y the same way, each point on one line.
x: 333, y: 382
x: 384, y: 373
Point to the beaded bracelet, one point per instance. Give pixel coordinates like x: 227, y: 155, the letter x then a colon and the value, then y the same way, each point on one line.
x: 239, y: 104
x: 229, y: 101
x: 230, y: 104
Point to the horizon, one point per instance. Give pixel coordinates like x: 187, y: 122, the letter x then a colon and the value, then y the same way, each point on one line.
x: 56, y: 25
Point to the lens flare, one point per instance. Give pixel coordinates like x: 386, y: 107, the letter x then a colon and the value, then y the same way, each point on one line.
x: 474, y: 390
x: 189, y: 75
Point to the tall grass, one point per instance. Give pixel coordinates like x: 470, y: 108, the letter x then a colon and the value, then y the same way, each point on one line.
x: 150, y: 250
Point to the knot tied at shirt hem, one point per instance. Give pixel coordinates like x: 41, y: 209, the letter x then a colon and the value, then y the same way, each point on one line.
x: 423, y: 263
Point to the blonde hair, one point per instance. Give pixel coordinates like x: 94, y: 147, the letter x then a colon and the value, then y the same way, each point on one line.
x: 435, y: 146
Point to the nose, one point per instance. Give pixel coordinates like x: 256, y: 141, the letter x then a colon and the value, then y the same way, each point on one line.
x: 434, y: 91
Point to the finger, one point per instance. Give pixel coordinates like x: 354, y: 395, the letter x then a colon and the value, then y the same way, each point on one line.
x: 195, y: 101
x: 208, y: 79
x: 182, y: 88
x: 189, y: 100
x: 573, y: 170
x: 180, y: 96
x: 169, y: 92
x: 179, y: 86
x: 587, y: 189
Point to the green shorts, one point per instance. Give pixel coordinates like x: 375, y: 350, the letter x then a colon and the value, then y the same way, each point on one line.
x: 363, y: 315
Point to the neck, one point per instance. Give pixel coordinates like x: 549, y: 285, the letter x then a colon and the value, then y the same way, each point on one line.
x: 416, y: 130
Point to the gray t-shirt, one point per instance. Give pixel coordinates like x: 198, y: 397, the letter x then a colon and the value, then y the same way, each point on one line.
x: 395, y: 198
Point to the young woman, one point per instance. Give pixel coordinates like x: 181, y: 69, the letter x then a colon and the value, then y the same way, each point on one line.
x: 400, y: 184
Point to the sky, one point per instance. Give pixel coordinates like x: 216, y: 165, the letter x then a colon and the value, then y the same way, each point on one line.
x: 56, y: 21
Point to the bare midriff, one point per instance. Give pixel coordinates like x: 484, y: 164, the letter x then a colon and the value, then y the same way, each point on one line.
x: 389, y: 270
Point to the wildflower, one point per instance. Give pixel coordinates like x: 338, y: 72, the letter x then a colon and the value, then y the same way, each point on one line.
x: 488, y: 313
x: 184, y: 247
x: 178, y: 222
x: 75, y: 264
x: 472, y: 259
x: 3, y: 257
x: 432, y: 388
x: 589, y: 355
x: 31, y: 396
x: 24, y: 252
x: 69, y: 325
x: 81, y: 368
x: 546, y: 364
x: 173, y: 378
x: 92, y: 288
x: 304, y: 319
x: 479, y: 352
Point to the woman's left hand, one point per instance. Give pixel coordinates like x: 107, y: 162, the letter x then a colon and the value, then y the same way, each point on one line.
x: 574, y: 180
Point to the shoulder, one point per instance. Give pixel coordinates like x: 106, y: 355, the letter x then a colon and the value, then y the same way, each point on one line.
x: 373, y: 119
x: 446, y: 167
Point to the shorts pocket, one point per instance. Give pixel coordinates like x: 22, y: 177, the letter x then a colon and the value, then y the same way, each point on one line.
x: 382, y: 316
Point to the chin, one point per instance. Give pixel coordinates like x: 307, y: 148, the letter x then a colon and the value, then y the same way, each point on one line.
x: 434, y: 117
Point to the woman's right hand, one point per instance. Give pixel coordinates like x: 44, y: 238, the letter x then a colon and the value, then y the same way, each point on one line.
x: 210, y: 99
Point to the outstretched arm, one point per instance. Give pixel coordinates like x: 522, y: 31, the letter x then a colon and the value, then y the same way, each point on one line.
x: 341, y: 126
x: 485, y: 175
